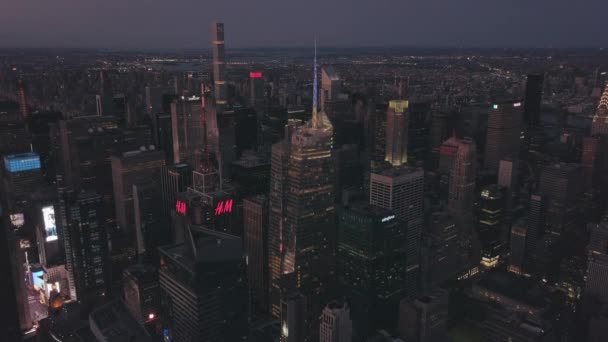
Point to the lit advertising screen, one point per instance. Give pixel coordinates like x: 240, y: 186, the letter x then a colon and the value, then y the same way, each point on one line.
x: 38, y: 278
x: 48, y: 215
x: 17, y: 220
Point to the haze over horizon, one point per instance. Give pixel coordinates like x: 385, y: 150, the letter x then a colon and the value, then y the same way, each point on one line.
x: 185, y: 24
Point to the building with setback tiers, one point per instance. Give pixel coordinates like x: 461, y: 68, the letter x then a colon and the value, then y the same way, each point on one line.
x: 219, y: 66
x: 303, y: 248
x: 396, y: 132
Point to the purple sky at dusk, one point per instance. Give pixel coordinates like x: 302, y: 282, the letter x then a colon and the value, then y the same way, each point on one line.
x: 250, y: 23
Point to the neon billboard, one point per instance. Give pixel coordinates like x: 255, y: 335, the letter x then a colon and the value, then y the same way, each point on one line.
x: 180, y: 207
x: 50, y: 227
x: 223, y: 207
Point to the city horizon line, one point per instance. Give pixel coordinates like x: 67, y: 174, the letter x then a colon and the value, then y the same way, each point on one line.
x: 302, y: 46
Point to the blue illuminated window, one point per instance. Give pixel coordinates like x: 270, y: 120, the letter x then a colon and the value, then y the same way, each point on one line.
x: 22, y: 162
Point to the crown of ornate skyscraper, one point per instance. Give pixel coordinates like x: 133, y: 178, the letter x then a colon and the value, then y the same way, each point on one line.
x: 603, y: 106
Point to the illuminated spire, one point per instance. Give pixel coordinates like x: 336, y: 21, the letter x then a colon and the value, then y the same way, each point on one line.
x: 599, y: 124
x: 603, y: 106
x: 315, y: 104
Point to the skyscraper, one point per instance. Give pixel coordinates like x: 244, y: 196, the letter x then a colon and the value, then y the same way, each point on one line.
x: 490, y: 224
x: 300, y: 249
x: 518, y: 247
x: 462, y: 181
x: 461, y: 194
x: 330, y: 85
x: 206, y: 286
x: 597, y: 264
x: 309, y: 207
x: 15, y: 313
x: 417, y: 132
x: 21, y: 178
x: 104, y: 98
x: 143, y: 297
x: 155, y: 97
x: 401, y: 190
x: 257, y: 91
x: 255, y: 221
x: 23, y: 106
x: 424, y: 319
x: 174, y: 180
x: 294, y: 318
x: 438, y: 134
x: 336, y: 325
x: 503, y: 135
x: 138, y: 168
x: 219, y: 66
x: 443, y: 255
x: 599, y: 124
x: 188, y: 131
x: 535, y: 228
x: 85, y: 243
x: 561, y: 185
x: 532, y: 101
x: 396, y: 132
x: 278, y: 191
x: 447, y: 154
x: 371, y: 264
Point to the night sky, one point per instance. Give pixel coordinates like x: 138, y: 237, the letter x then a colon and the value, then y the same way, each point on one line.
x: 249, y: 23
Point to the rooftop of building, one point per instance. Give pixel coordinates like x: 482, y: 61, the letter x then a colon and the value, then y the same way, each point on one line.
x: 22, y: 156
x: 258, y: 199
x: 66, y: 324
x: 144, y: 152
x: 516, y: 288
x: 142, y: 271
x: 337, y: 305
x: 402, y: 171
x: 560, y: 168
x: 331, y: 73
x: 251, y: 159
x: 363, y: 207
x: 206, y: 246
x: 113, y: 322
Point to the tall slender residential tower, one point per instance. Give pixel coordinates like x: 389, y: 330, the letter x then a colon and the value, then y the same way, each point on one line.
x: 534, y: 94
x: 599, y: 125
x: 219, y: 66
x: 396, y: 132
x: 302, y: 249
x: 23, y: 101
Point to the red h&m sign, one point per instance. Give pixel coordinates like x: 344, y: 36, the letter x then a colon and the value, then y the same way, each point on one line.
x: 223, y: 207
x: 180, y: 207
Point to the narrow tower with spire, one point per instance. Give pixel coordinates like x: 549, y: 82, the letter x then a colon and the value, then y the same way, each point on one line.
x: 304, y: 249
